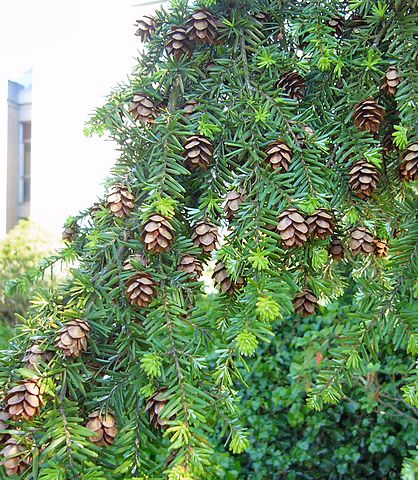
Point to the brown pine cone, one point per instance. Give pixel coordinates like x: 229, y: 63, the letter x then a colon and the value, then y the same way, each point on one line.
x: 70, y: 232
x: 198, y: 152
x: 361, y: 241
x: 190, y: 106
x: 337, y: 23
x: 293, y: 84
x: 279, y: 155
x: 303, y: 134
x: 320, y: 224
x: 140, y: 258
x: 222, y: 278
x: 305, y: 303
x: 363, y: 179
x: 357, y: 22
x: 388, y: 145
x: 155, y: 406
x: 292, y: 228
x: 178, y: 44
x: 72, y: 338
x: 391, y: 81
x: 336, y: 249
x: 4, y: 417
x: 368, y: 115
x: 409, y: 165
x: 16, y: 458
x: 104, y: 426
x: 146, y: 27
x: 191, y: 265
x: 158, y: 234
x: 36, y: 355
x: 141, y: 289
x: 205, y: 236
x: 263, y: 17
x: 143, y: 109
x: 201, y: 27
x: 94, y: 210
x: 232, y: 202
x: 24, y: 400
x: 381, y: 248
x: 120, y: 201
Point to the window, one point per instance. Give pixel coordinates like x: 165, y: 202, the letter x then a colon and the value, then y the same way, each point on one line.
x: 25, y: 162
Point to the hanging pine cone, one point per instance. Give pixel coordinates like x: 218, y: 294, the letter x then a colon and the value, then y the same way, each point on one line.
x: 279, y: 155
x: 320, y: 224
x: 16, y: 458
x: 336, y: 249
x: 361, y: 241
x: 94, y: 210
x: 178, y: 44
x: 293, y: 84
x: 201, y: 27
x: 391, y: 81
x: 24, y: 400
x: 381, y: 248
x: 191, y: 265
x: 70, y: 232
x: 120, y: 201
x: 157, y: 234
x: 4, y: 417
x: 388, y: 145
x: 140, y: 258
x: 143, y: 109
x: 72, y: 338
x: 292, y: 228
x: 368, y: 115
x: 363, y: 179
x: 205, y: 236
x: 409, y: 165
x: 198, y: 152
x: 337, y: 24
x: 222, y: 278
x: 155, y: 406
x: 232, y: 202
x: 190, y: 106
x: 146, y: 27
x: 302, y: 135
x: 141, y: 289
x: 105, y: 428
x: 305, y: 303
x: 35, y: 356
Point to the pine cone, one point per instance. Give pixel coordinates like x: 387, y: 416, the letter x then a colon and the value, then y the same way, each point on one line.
x: 279, y: 155
x: 292, y: 228
x: 94, y: 210
x: 381, y: 248
x: 293, y: 84
x: 143, y: 109
x: 320, y: 224
x: 205, y: 236
x: 232, y: 202
x: 222, y: 278
x: 146, y: 27
x: 190, y: 106
x: 157, y: 234
x: 368, y: 115
x: 263, y: 17
x: 24, y: 400
x: 140, y: 258
x: 104, y: 426
x: 202, y: 27
x: 36, y: 355
x: 357, y: 22
x: 409, y: 165
x: 191, y: 265
x: 120, y: 201
x: 70, y: 232
x: 155, y: 406
x: 363, y: 179
x: 388, y: 145
x: 305, y: 303
x: 337, y: 23
x: 391, y: 81
x: 198, y: 152
x: 303, y: 134
x: 72, y: 338
x: 16, y: 457
x: 336, y: 249
x: 4, y: 417
x: 361, y: 241
x: 178, y: 44
x: 140, y: 289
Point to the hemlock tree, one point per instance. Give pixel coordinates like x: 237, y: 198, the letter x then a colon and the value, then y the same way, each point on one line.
x: 277, y: 137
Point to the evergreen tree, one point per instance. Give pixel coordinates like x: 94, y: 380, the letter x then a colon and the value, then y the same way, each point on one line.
x: 278, y: 137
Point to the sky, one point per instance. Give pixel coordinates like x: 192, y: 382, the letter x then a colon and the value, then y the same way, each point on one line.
x: 78, y: 51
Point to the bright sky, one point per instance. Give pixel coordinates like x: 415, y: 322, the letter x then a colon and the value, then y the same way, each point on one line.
x: 79, y: 49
